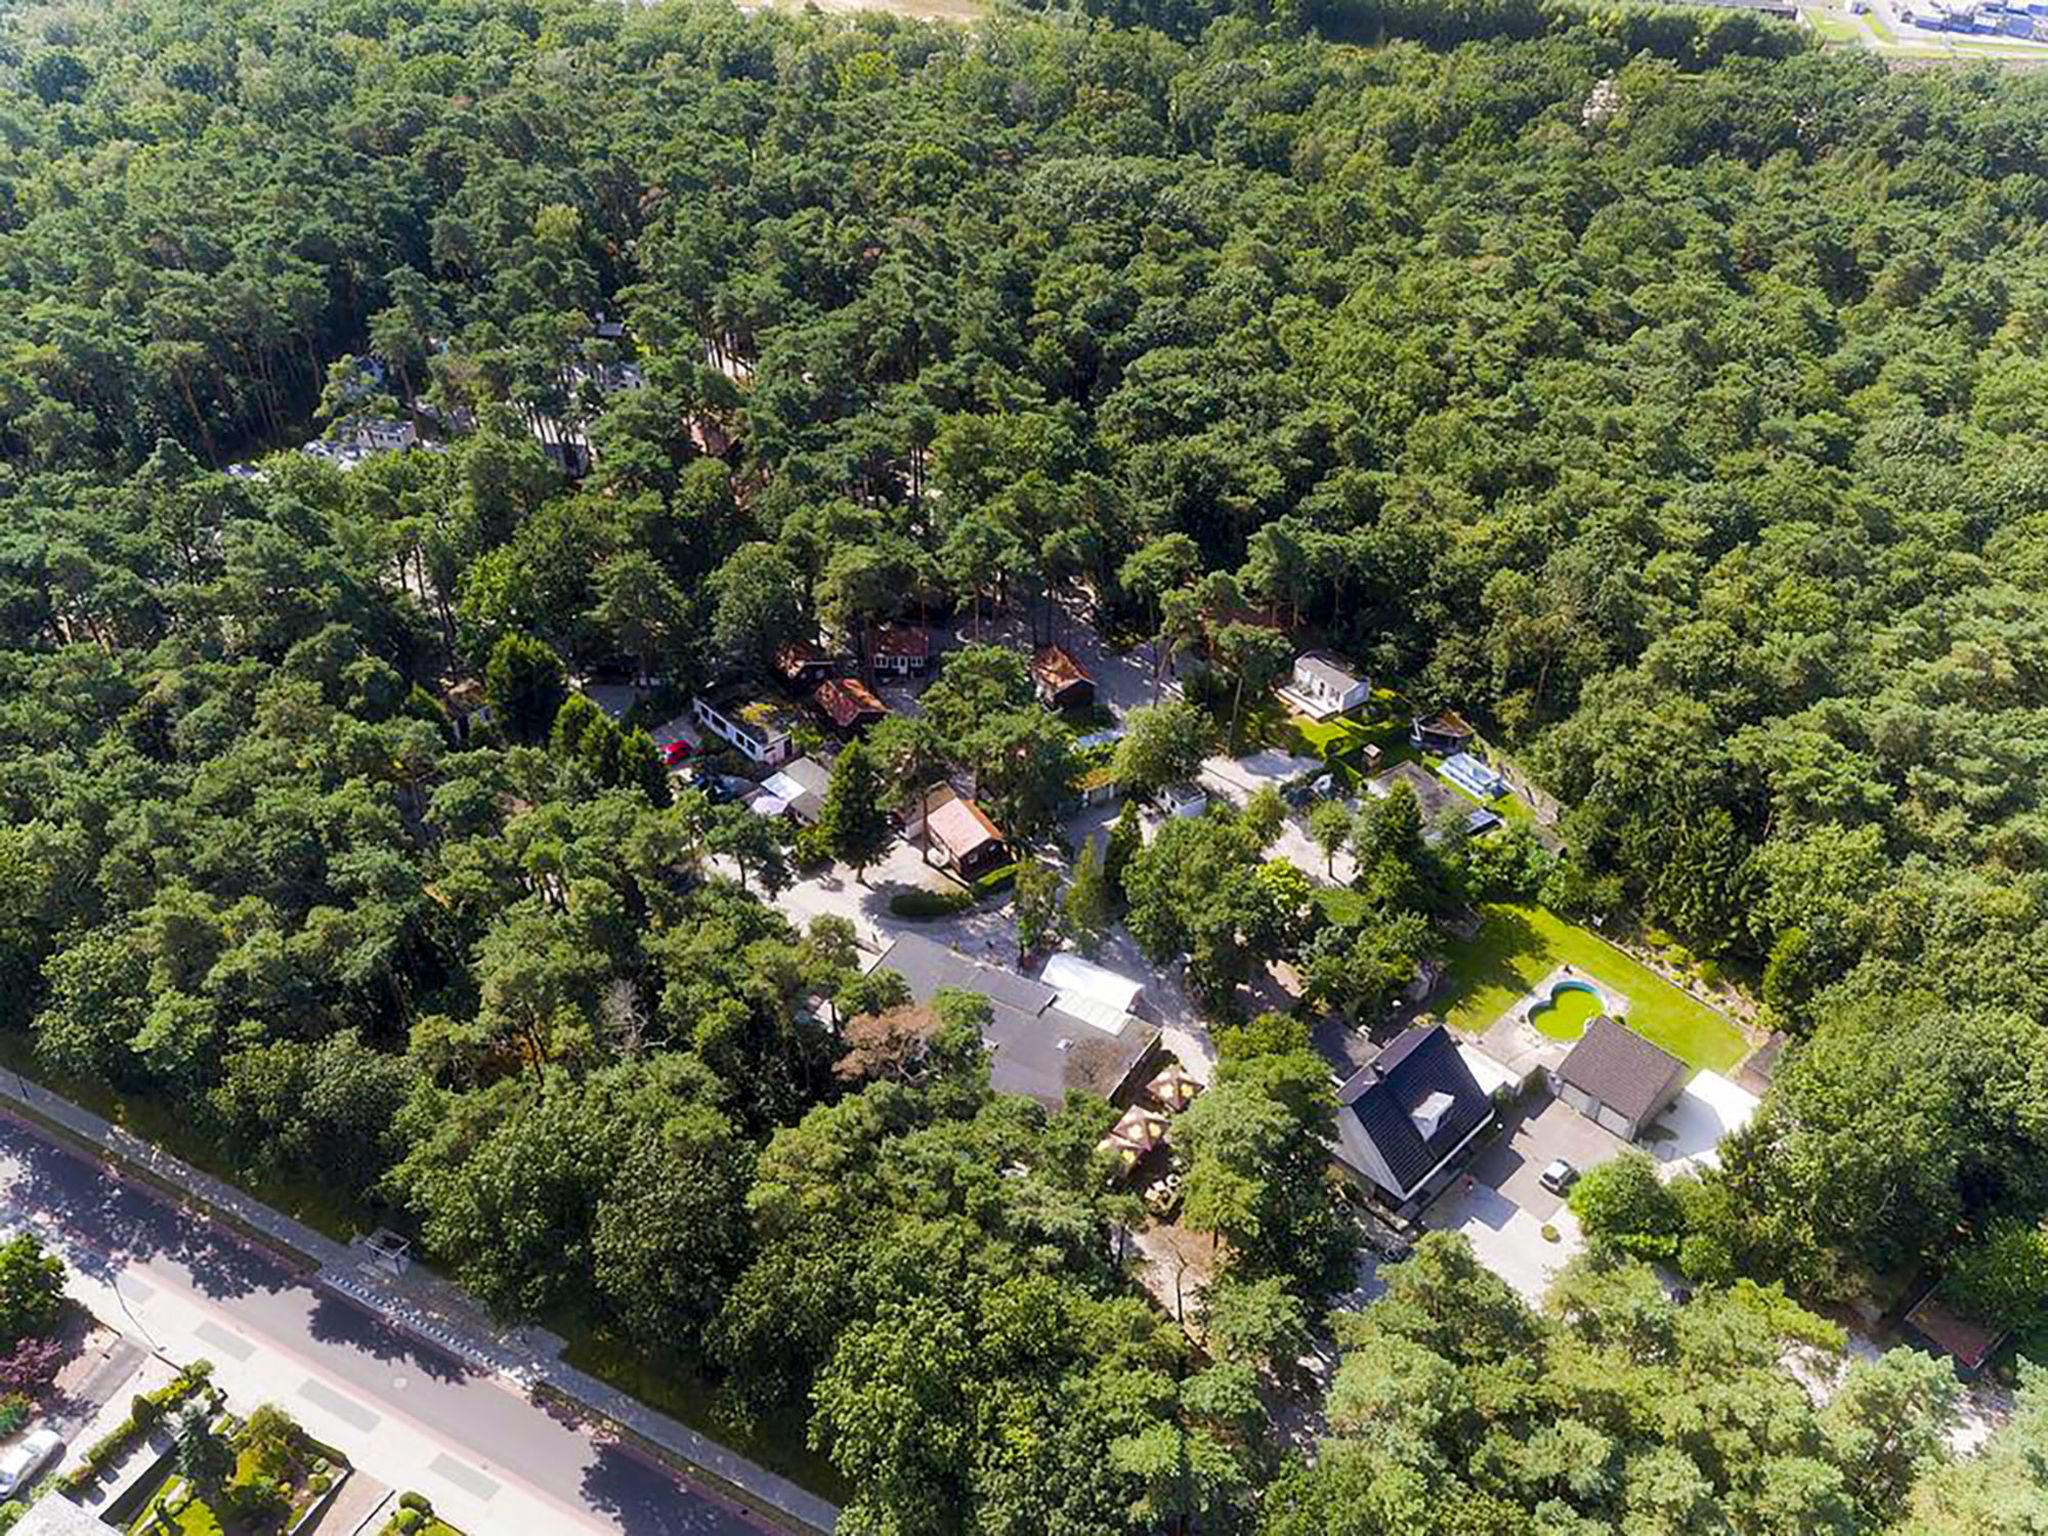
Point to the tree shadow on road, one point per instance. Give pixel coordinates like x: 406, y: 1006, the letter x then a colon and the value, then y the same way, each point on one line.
x: 641, y: 1498
x: 337, y: 1320
x: 103, y: 1222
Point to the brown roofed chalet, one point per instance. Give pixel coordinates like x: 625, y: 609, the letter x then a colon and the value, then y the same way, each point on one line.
x: 848, y: 703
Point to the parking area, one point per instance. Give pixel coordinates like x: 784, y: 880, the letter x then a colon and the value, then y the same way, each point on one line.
x: 1501, y: 1206
x: 1537, y: 1132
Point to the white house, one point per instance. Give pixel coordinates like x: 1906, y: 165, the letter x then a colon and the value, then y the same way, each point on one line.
x: 1323, y: 687
x: 377, y: 435
x: 760, y: 731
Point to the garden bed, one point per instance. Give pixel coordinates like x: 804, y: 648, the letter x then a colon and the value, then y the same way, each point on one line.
x: 261, y: 1478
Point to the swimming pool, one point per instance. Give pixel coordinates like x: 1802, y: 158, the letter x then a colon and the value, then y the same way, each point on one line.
x: 1564, y: 1015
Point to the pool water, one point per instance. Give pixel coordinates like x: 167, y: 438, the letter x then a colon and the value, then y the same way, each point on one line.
x: 1567, y: 1014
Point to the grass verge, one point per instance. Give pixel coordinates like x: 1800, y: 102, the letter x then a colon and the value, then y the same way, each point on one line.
x: 676, y: 1388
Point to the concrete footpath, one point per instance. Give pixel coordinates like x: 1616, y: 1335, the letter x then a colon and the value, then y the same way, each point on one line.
x: 427, y: 1307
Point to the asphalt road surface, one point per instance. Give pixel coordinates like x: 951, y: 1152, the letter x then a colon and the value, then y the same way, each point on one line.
x: 488, y: 1431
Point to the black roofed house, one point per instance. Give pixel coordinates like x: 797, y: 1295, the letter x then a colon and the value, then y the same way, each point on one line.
x: 1036, y: 1046
x: 1617, y: 1079
x: 1433, y: 799
x: 1404, y: 1118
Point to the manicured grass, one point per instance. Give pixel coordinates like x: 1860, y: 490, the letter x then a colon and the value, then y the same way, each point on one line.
x: 1518, y: 945
x: 195, y: 1519
x: 1341, y: 905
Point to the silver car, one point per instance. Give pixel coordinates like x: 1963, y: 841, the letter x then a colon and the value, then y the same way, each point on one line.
x: 22, y: 1461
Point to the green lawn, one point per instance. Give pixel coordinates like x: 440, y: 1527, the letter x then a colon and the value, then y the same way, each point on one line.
x: 1517, y: 946
x: 195, y: 1519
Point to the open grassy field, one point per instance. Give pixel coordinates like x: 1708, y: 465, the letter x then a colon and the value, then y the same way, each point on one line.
x: 1518, y: 945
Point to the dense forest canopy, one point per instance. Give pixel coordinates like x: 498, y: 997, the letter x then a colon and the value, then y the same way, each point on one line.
x: 1662, y: 392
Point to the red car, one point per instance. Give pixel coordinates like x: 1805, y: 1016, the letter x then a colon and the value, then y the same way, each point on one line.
x: 675, y: 752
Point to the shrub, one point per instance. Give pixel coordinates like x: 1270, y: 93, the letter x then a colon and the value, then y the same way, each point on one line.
x: 418, y: 1501
x: 407, y: 1520
x: 1625, y: 1202
x: 10, y: 1512
x: 1549, y: 1233
x: 996, y: 880
x: 14, y: 1412
x: 920, y: 905
x: 2004, y: 1278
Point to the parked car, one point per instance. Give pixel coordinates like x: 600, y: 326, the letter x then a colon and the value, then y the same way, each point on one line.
x: 675, y: 752
x: 22, y: 1461
x: 1558, y: 1176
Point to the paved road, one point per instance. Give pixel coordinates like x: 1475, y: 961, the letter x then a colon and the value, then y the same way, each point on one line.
x: 357, y: 1366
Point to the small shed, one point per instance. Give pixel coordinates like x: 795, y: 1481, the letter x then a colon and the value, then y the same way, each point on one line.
x: 1062, y: 682
x: 1617, y: 1079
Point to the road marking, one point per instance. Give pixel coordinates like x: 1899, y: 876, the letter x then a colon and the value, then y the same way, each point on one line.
x: 138, y: 1291
x: 320, y: 1395
x: 227, y: 1343
x: 463, y: 1475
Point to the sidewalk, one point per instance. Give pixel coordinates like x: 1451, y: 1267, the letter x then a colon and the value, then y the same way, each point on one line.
x: 430, y: 1308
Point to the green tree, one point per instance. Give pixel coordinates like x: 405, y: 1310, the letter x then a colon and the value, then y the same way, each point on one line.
x: 524, y: 684
x: 855, y: 821
x: 756, y: 844
x: 1085, y: 910
x: 1329, y: 827
x: 1035, y: 906
x: 31, y: 1289
x: 1162, y: 744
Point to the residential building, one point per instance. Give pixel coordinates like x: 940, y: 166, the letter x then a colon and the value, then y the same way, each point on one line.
x: 796, y: 789
x: 1945, y: 1331
x: 849, y: 704
x: 758, y: 729
x: 1436, y: 800
x: 802, y: 663
x: 1442, y: 733
x: 1617, y: 1079
x: 379, y: 435
x: 1406, y: 1118
x: 1036, y: 1047
x: 1093, y: 992
x: 960, y: 829
x: 904, y: 650
x: 1184, y: 799
x: 1061, y: 681
x: 1323, y: 687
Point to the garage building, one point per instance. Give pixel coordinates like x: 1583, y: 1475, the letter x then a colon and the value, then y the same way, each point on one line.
x: 1617, y: 1079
